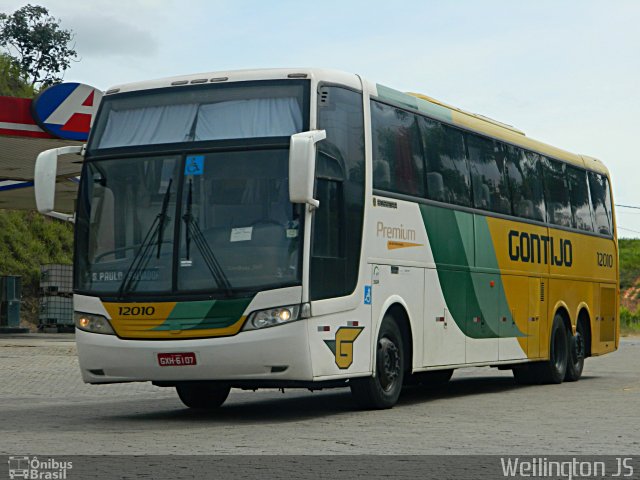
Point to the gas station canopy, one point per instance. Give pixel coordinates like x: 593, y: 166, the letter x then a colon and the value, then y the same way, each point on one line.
x: 66, y: 112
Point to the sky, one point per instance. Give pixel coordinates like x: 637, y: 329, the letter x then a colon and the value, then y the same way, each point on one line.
x: 566, y: 72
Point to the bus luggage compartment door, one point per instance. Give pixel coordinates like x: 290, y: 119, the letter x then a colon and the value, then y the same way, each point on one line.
x: 606, y: 324
x: 444, y: 340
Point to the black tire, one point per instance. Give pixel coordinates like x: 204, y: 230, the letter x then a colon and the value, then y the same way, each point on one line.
x: 383, y: 390
x: 577, y: 353
x: 436, y: 378
x: 203, y: 396
x: 554, y: 370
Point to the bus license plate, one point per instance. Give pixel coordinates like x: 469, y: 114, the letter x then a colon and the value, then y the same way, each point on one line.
x: 185, y: 359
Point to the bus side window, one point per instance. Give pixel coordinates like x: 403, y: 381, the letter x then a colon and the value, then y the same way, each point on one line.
x: 397, y: 151
x: 487, y: 175
x: 601, y: 202
x: 329, y: 221
x: 556, y: 192
x: 328, y: 237
x: 448, y: 178
x: 579, y: 193
x: 525, y: 184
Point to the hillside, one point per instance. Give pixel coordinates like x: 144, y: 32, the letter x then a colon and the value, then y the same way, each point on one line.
x: 630, y: 273
x: 28, y: 240
x: 629, y: 262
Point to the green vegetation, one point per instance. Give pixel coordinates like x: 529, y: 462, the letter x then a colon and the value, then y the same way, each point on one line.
x: 39, y: 46
x: 28, y: 240
x: 12, y: 82
x: 34, y: 53
x: 629, y: 321
x: 629, y: 262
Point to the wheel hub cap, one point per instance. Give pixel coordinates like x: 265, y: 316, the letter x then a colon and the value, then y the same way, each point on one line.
x: 388, y: 363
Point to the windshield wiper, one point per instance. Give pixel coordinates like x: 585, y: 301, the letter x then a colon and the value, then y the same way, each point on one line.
x: 193, y: 230
x: 162, y: 218
x: 142, y: 257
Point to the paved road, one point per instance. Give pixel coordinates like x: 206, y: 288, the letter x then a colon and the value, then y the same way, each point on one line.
x: 46, y: 409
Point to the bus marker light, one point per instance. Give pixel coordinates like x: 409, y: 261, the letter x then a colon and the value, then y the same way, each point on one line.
x: 439, y: 319
x: 492, y: 284
x: 352, y: 324
x: 324, y: 328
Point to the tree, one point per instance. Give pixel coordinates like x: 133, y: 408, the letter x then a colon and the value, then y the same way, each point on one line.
x: 35, y: 40
x: 12, y: 81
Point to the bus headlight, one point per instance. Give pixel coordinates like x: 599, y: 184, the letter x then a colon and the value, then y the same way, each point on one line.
x: 93, y: 323
x: 274, y: 316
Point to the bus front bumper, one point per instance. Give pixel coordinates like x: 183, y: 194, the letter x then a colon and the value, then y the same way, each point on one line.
x: 272, y: 354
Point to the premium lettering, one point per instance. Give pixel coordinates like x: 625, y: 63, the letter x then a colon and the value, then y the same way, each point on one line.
x: 395, y: 233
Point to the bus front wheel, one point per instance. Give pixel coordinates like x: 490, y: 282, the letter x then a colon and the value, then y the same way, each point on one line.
x: 203, y: 396
x: 383, y: 390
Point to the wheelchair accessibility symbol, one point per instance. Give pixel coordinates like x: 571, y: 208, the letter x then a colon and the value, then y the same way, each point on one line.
x: 194, y: 165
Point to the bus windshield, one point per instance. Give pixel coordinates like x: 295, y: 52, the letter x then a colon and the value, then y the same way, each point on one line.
x: 211, y: 222
x: 185, y: 189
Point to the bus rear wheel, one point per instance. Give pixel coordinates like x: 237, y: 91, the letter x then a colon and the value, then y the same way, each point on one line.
x: 203, y: 396
x: 577, y: 353
x: 383, y: 390
x: 554, y: 369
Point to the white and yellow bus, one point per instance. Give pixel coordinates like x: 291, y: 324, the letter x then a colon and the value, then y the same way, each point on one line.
x: 309, y: 228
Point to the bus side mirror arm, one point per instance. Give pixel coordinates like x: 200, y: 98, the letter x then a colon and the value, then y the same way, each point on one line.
x: 44, y: 179
x: 302, y: 166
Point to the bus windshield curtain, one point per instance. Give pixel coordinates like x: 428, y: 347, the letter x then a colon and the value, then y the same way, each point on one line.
x: 262, y: 117
x: 148, y: 125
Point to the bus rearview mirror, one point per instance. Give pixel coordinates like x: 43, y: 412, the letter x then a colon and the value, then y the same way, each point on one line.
x: 302, y: 166
x: 44, y: 179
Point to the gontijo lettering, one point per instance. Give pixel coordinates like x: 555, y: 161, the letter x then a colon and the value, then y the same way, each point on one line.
x: 534, y: 248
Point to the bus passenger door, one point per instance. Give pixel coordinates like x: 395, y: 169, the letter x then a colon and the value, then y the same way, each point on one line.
x: 444, y: 340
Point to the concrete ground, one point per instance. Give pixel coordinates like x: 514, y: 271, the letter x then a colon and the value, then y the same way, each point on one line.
x: 46, y: 409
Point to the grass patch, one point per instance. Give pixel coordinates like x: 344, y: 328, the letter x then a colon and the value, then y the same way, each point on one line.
x: 629, y: 321
x: 28, y: 240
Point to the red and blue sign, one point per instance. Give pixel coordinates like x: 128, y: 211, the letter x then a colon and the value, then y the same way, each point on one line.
x: 67, y: 110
